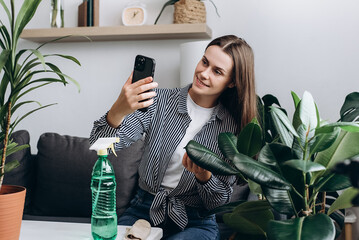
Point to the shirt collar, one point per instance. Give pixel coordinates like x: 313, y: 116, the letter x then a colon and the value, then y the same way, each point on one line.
x: 219, y: 111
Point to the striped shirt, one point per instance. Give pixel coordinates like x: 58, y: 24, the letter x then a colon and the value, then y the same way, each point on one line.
x: 164, y: 125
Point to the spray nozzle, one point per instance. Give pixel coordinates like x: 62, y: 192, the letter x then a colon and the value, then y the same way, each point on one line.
x: 102, y: 144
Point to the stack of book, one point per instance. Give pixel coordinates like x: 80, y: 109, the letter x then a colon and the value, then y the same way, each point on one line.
x: 89, y: 13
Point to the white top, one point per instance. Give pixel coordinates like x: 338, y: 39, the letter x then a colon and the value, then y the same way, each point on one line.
x: 199, y: 117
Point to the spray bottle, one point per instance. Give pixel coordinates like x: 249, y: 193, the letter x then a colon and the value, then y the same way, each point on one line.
x: 103, y: 186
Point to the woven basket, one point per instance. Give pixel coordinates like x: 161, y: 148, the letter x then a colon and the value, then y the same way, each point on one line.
x: 189, y: 11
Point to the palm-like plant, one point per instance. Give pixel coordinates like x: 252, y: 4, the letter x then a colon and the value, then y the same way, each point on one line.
x: 293, y: 173
x: 21, y: 74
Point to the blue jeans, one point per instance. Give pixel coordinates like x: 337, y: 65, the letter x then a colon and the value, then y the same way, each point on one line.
x: 198, y: 227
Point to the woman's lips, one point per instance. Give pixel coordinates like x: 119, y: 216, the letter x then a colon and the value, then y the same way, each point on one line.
x: 200, y: 83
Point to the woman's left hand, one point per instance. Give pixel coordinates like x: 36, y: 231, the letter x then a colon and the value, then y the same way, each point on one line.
x: 201, y: 174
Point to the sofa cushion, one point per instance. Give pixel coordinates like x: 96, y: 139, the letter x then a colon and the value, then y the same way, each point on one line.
x: 23, y: 174
x: 64, y: 166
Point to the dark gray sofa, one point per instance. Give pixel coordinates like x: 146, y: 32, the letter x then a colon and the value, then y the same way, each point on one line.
x: 58, y: 178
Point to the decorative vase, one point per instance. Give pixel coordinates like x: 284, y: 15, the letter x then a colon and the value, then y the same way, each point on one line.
x: 57, y: 14
x: 189, y: 11
x: 12, y: 200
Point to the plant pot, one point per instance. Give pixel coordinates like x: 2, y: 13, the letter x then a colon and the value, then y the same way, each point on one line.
x: 189, y: 11
x: 12, y: 199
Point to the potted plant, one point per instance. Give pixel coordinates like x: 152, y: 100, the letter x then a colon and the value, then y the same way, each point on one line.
x: 187, y: 11
x: 21, y: 73
x: 292, y: 173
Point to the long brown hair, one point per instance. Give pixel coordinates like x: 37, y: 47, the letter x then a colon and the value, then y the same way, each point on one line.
x: 241, y: 100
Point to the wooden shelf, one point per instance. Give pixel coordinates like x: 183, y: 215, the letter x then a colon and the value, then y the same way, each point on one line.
x: 119, y: 33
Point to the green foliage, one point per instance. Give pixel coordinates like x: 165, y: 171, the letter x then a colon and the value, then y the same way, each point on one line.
x: 291, y: 164
x: 21, y: 71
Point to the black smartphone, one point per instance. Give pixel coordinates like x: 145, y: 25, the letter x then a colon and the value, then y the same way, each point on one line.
x: 144, y: 67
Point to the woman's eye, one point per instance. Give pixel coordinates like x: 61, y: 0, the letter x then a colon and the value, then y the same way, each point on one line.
x: 204, y: 61
x: 218, y: 72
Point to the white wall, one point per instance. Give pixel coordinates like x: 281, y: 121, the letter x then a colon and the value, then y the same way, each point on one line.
x: 299, y: 45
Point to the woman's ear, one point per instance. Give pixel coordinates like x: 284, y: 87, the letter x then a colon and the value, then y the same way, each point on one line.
x: 232, y: 85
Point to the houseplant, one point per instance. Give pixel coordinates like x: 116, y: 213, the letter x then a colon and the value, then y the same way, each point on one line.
x: 200, y: 7
x: 21, y: 72
x: 292, y: 173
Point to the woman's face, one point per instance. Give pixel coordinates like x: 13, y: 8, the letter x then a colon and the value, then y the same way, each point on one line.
x: 212, y: 76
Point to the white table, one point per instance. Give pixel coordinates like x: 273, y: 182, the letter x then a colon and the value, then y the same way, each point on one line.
x: 43, y: 230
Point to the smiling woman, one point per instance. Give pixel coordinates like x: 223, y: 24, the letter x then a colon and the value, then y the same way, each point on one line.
x: 173, y: 191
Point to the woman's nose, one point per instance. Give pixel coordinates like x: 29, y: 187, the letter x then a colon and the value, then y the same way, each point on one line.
x: 205, y: 73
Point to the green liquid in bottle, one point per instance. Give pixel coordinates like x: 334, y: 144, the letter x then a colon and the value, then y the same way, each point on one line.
x: 103, y: 186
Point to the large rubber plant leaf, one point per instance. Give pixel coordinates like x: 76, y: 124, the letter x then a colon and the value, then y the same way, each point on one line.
x: 250, y: 218
x: 295, y: 98
x: 344, y: 200
x: 250, y: 139
x: 24, y: 16
x: 303, y: 141
x: 332, y: 182
x: 259, y: 172
x: 349, y: 112
x: 227, y: 207
x: 347, y: 126
x: 275, y: 155
x: 284, y: 135
x: 316, y: 227
x: 207, y: 159
x: 227, y: 143
x: 323, y: 141
x: 307, y: 111
x: 345, y: 147
x: 280, y: 200
x: 304, y: 165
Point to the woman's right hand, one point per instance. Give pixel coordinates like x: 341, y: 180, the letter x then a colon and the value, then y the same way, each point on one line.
x: 129, y: 99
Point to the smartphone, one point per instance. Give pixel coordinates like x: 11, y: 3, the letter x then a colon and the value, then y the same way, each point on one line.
x: 144, y: 67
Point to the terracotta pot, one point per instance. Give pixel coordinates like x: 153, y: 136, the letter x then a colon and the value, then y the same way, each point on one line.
x: 12, y: 199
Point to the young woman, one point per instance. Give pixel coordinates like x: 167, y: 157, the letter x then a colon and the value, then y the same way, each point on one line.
x: 174, y: 192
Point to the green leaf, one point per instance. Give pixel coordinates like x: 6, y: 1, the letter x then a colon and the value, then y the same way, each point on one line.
x: 227, y: 143
x: 344, y: 200
x: 296, y: 99
x: 250, y: 139
x: 227, y: 207
x: 3, y: 58
x: 304, y: 165
x: 280, y: 200
x: 16, y: 122
x: 259, y: 172
x: 284, y: 119
x: 254, y: 187
x: 6, y: 10
x: 345, y: 147
x: 316, y: 227
x: 24, y: 16
x: 250, y: 218
x: 332, y: 183
x: 39, y: 56
x: 307, y: 111
x: 207, y: 159
x: 66, y: 57
x: 284, y: 135
x: 11, y: 166
x: 346, y: 126
x: 269, y: 100
x: 323, y: 141
x: 349, y: 112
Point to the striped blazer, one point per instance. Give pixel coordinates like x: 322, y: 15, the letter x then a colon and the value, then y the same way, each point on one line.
x: 164, y: 125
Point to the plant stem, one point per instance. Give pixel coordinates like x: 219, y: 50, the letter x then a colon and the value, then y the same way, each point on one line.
x: 6, y: 139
